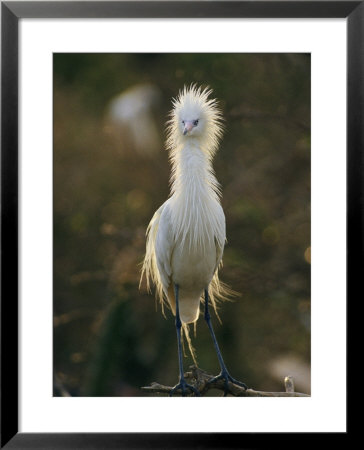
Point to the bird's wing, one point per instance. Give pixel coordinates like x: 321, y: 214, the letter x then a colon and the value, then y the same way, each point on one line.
x: 220, y: 238
x: 219, y: 253
x: 164, y: 246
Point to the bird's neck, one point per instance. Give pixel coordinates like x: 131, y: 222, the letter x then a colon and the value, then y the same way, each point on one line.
x: 196, y: 213
x: 192, y: 173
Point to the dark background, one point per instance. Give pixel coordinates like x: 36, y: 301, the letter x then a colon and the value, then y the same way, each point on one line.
x: 111, y: 173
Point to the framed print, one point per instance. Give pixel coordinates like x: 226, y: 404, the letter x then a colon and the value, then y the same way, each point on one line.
x: 259, y: 105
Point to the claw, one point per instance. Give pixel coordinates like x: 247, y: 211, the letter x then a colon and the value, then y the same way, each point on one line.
x: 182, y: 385
x: 226, y: 377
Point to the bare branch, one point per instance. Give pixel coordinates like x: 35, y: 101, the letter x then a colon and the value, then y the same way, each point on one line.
x: 199, y: 379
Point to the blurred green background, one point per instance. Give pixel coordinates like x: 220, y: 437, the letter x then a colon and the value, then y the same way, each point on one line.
x: 111, y: 173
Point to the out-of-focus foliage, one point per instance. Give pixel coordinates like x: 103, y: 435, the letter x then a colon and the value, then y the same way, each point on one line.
x: 110, y: 338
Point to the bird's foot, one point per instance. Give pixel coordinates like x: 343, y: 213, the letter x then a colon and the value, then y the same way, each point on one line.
x: 183, y: 386
x: 224, y: 375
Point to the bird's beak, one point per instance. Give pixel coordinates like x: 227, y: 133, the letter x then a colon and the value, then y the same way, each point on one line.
x: 188, y: 127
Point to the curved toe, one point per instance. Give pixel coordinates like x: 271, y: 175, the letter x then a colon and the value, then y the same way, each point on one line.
x: 227, y: 377
x: 183, y: 386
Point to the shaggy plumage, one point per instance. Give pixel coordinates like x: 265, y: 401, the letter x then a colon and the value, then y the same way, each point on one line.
x: 186, y: 236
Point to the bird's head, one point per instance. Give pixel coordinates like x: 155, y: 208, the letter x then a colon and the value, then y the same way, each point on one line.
x: 195, y: 116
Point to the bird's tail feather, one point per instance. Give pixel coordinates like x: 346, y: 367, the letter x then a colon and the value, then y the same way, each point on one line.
x: 218, y: 292
x: 186, y: 334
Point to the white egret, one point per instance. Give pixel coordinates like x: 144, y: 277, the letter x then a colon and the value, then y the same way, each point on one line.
x: 186, y: 236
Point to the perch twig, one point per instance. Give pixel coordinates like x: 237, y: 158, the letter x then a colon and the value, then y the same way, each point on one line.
x: 199, y: 379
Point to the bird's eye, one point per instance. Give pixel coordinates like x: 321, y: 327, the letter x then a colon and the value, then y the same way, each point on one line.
x: 195, y: 122
x: 183, y: 122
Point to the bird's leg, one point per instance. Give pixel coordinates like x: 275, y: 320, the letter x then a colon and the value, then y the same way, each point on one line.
x: 224, y: 374
x: 182, y: 385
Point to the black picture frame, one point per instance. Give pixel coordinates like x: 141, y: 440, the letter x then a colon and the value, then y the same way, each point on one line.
x: 11, y: 12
